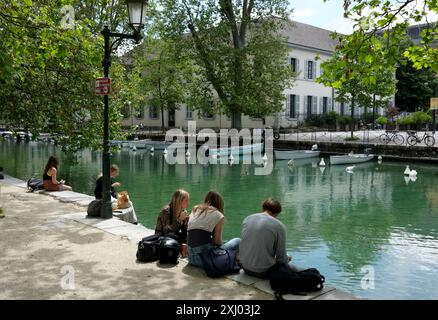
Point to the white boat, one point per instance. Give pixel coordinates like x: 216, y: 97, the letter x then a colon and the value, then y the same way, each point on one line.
x: 295, y: 154
x: 236, y: 151
x: 351, y: 158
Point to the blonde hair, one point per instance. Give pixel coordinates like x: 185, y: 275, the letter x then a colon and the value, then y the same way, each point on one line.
x: 177, y: 199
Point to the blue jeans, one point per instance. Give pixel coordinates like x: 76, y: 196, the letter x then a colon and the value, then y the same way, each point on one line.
x: 193, y: 253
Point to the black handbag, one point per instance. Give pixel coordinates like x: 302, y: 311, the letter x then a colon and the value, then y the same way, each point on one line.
x: 148, y: 249
x: 218, y: 262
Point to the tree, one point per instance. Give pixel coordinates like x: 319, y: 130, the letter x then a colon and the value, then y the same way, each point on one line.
x: 415, y: 87
x: 392, y: 18
x: 359, y: 74
x: 160, y: 75
x: 47, y: 69
x: 239, y: 51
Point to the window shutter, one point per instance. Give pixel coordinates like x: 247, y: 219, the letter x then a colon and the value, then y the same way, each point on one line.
x: 330, y: 105
x: 297, y: 106
x: 288, y: 106
x: 297, y: 66
x: 306, y: 67
x: 305, y: 107
x: 315, y: 64
x: 315, y: 105
x: 321, y: 105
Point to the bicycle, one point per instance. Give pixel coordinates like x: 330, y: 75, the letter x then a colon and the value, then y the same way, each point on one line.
x: 413, y: 139
x: 391, y: 136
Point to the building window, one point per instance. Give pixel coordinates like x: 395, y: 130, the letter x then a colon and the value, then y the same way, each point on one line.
x: 293, y: 64
x: 292, y: 106
x: 309, y: 105
x: 189, y: 113
x: 324, y: 105
x: 208, y: 115
x: 153, y: 112
x: 125, y: 112
x: 342, y: 108
x: 140, y: 114
x: 310, y: 67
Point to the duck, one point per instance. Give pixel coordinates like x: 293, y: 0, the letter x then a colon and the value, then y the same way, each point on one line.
x: 231, y: 158
x: 314, y: 147
x: 350, y: 169
x: 290, y: 163
x: 152, y: 149
x: 134, y: 148
x: 380, y: 158
x: 413, y: 173
x: 322, y: 163
x: 407, y: 171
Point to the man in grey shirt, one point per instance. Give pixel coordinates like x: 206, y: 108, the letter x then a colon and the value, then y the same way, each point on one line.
x: 263, y: 244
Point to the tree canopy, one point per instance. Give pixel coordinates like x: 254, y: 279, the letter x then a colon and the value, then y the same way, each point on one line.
x: 239, y: 52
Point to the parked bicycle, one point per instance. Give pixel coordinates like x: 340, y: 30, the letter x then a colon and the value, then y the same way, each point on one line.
x: 413, y: 139
x: 392, y: 136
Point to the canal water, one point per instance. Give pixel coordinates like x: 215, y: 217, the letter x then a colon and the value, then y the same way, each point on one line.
x: 373, y: 233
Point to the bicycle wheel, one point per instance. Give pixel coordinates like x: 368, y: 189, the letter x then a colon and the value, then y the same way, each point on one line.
x: 276, y: 135
x: 429, y: 141
x: 412, y: 140
x: 399, y: 139
x: 384, y: 138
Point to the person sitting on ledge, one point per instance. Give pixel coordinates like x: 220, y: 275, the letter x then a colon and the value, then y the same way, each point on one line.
x: 49, y: 177
x: 173, y: 217
x: 263, y: 244
x: 114, y: 172
x: 205, y: 228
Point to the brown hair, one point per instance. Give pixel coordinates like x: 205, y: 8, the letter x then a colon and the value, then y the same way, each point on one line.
x: 212, y: 199
x: 114, y: 167
x: 52, y: 163
x: 272, y: 205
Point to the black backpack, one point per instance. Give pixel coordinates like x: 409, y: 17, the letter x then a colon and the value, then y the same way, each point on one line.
x: 148, y: 248
x: 286, y: 282
x: 169, y: 250
x: 35, y: 184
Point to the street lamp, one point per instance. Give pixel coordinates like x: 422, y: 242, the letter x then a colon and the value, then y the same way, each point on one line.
x: 136, y: 13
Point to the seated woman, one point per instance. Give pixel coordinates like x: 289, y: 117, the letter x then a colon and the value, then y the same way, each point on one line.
x: 49, y: 177
x: 173, y: 217
x: 114, y: 172
x: 205, y: 228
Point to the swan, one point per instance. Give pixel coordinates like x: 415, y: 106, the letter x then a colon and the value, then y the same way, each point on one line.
x: 413, y: 173
x: 165, y: 151
x: 380, y: 158
x: 290, y: 163
x: 322, y: 163
x: 314, y: 147
x: 152, y: 149
x: 188, y: 153
x: 231, y: 158
x: 407, y: 171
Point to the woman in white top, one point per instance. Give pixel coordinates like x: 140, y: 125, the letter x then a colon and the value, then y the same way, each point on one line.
x: 205, y: 226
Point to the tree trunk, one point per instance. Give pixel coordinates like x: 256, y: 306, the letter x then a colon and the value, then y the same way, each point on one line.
x: 236, y: 120
x: 352, y: 117
x: 162, y: 118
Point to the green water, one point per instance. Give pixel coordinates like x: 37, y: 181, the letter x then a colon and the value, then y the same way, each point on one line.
x: 368, y: 224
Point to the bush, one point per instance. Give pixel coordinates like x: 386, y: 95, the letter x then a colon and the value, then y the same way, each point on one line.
x: 382, y: 120
x: 418, y: 118
x: 314, y: 120
x: 346, y: 120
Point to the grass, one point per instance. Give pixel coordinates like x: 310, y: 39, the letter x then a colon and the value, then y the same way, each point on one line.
x: 352, y: 139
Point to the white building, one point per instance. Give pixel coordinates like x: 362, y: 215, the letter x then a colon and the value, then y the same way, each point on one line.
x: 305, y: 98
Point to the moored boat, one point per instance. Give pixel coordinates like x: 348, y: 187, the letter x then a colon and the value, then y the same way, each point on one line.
x: 351, y: 158
x: 237, y: 150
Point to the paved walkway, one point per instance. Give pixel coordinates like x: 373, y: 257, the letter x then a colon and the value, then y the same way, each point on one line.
x: 50, y: 250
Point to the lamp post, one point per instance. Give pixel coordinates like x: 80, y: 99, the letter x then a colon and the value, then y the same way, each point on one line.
x: 137, y: 15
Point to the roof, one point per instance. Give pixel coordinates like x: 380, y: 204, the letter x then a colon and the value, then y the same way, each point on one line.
x: 309, y: 36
